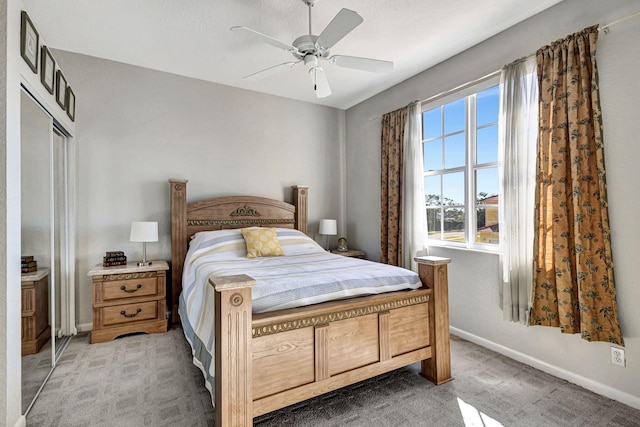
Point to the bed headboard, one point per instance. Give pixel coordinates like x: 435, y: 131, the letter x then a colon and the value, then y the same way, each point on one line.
x: 224, y: 213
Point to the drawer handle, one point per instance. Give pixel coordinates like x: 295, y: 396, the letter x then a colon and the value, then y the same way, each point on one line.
x: 124, y: 313
x: 130, y: 291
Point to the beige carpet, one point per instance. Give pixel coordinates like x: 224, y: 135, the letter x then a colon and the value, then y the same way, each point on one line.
x: 35, y: 368
x: 149, y: 380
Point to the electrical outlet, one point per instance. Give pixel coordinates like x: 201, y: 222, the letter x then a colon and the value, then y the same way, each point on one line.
x: 617, y: 356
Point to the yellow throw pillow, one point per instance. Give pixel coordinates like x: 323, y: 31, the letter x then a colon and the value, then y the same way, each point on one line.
x: 261, y: 242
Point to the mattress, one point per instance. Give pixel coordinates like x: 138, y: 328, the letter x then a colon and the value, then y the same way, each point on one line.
x: 305, y: 275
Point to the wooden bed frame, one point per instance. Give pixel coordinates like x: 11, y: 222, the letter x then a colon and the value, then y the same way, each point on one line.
x: 267, y: 361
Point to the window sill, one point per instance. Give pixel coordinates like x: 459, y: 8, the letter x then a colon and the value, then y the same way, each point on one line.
x: 463, y: 248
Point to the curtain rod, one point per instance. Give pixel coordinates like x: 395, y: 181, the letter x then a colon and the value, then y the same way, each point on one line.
x: 605, y: 28
x: 447, y: 92
x: 461, y: 87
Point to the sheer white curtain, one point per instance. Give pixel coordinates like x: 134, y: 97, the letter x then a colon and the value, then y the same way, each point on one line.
x: 517, y: 157
x: 414, y: 217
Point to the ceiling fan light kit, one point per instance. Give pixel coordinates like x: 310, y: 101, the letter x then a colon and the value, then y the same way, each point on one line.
x: 310, y: 49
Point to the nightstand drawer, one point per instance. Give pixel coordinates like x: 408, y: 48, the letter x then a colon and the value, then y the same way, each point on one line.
x: 128, y: 299
x: 130, y: 288
x: 129, y: 313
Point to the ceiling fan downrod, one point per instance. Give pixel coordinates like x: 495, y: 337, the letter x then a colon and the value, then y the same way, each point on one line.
x: 310, y: 5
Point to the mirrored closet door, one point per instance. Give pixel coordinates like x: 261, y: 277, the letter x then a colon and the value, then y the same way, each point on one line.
x: 46, y: 279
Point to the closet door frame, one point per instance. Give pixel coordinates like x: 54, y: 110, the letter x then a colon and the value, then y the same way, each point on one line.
x: 65, y: 247
x: 67, y: 243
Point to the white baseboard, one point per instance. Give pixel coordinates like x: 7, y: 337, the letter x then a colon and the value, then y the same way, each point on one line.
x: 85, y: 327
x: 596, y: 387
x: 22, y: 421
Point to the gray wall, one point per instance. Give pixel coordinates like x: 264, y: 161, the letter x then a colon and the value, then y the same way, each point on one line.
x: 474, y: 296
x: 136, y: 128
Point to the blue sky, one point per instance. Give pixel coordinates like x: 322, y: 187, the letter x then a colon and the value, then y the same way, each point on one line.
x: 444, y: 147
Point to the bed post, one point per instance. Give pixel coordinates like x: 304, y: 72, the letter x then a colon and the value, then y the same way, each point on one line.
x: 178, y: 240
x: 433, y: 273
x: 233, y: 350
x: 300, y: 201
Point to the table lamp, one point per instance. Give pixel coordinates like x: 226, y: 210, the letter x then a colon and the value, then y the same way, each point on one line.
x: 144, y: 231
x: 328, y: 227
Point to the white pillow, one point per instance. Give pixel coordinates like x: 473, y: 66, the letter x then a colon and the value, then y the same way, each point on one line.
x: 294, y: 242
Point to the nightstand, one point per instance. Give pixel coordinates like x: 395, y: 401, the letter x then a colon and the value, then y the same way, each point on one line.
x: 354, y: 253
x: 35, y: 311
x: 128, y: 299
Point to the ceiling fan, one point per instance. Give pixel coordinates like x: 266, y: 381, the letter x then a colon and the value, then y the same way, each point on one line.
x: 311, y: 49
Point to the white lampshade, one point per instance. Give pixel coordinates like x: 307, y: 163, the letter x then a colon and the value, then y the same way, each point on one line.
x: 328, y: 227
x: 144, y: 231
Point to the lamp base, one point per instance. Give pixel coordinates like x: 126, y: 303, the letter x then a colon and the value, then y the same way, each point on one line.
x: 144, y: 263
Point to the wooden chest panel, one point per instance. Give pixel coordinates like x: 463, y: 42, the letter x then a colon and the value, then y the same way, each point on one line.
x: 130, y: 288
x: 282, y: 361
x: 408, y: 329
x: 28, y: 301
x: 28, y: 328
x: 35, y: 311
x: 353, y: 343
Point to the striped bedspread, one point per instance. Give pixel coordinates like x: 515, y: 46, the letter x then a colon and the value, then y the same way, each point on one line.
x: 307, y: 274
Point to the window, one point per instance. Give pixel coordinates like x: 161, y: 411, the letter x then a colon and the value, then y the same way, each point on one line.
x: 460, y: 148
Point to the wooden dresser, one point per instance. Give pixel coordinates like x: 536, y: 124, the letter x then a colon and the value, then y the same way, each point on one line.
x: 36, y: 330
x: 128, y: 299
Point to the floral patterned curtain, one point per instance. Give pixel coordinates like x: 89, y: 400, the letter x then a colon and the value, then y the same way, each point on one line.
x: 393, y: 125
x: 573, y: 270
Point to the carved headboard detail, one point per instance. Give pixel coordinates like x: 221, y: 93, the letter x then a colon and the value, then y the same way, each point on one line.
x: 245, y: 211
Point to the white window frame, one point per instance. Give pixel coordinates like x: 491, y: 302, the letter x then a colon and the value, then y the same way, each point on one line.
x: 468, y: 92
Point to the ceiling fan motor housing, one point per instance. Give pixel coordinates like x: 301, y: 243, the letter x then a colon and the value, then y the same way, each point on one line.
x: 306, y: 45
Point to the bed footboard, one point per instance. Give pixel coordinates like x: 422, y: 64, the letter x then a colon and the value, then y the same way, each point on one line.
x: 233, y: 350
x: 434, y: 275
x: 268, y: 361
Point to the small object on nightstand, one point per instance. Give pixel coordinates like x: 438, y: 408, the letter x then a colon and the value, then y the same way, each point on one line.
x: 342, y: 244
x: 128, y: 299
x: 114, y: 258
x: 29, y: 265
x: 353, y: 253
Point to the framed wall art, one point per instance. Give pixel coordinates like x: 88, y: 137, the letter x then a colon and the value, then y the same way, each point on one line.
x: 29, y: 40
x: 47, y: 69
x: 61, y: 90
x: 71, y: 104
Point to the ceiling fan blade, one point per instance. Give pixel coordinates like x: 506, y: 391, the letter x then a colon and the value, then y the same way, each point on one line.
x: 266, y: 39
x: 341, y: 25
x: 270, y: 71
x: 364, y: 64
x: 320, y: 82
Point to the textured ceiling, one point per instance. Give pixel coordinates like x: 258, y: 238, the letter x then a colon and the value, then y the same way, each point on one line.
x: 192, y: 37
